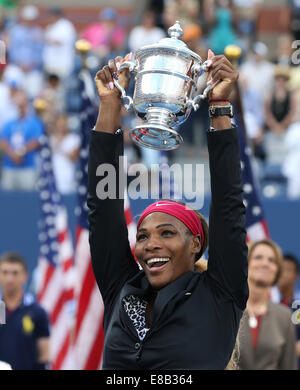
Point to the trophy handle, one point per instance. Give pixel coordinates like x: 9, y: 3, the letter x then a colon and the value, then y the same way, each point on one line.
x: 132, y: 67
x: 195, y: 103
x: 198, y: 71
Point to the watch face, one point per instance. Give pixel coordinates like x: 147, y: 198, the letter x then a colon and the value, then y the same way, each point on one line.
x: 220, y: 111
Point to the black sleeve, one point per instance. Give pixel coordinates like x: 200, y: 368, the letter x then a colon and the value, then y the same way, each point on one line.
x: 112, y: 259
x: 228, y: 262
x: 42, y: 323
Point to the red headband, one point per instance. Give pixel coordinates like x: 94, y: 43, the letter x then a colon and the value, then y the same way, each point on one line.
x: 181, y: 212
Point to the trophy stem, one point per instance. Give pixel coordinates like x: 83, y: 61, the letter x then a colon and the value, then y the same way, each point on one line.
x: 156, y: 132
x: 159, y: 116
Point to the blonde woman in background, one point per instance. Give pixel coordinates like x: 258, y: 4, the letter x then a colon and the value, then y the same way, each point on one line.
x: 267, y: 335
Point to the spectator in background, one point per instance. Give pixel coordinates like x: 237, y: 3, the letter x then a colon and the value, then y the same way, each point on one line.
x: 280, y: 109
x: 253, y: 116
x: 19, y: 140
x: 186, y: 11
x: 65, y: 151
x: 284, y: 50
x: 8, y: 108
x: 291, y: 162
x: 25, y: 47
x: 257, y: 70
x: 295, y: 18
x: 106, y: 36
x: 286, y: 290
x: 280, y: 106
x: 267, y: 335
x: 288, y: 279
x: 247, y: 12
x: 24, y: 339
x: 145, y: 34
x: 157, y: 6
x: 60, y: 37
x: 294, y: 86
x: 54, y: 95
x: 221, y: 18
x: 192, y: 37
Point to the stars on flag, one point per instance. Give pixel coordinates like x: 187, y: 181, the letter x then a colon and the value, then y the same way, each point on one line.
x: 256, y: 225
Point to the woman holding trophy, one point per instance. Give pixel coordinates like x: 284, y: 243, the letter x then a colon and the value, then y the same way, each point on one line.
x: 168, y: 315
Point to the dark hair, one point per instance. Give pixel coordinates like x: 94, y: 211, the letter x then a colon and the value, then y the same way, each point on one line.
x: 292, y: 259
x: 13, y: 257
x: 52, y: 77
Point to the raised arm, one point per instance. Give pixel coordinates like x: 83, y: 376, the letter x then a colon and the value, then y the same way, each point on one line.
x: 112, y: 260
x: 227, y: 265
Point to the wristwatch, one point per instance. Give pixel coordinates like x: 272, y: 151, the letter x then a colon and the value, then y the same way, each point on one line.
x: 215, y: 111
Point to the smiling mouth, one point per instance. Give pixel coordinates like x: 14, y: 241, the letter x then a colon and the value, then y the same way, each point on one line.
x: 157, y: 262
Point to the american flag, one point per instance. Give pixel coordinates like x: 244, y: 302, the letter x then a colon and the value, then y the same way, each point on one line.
x: 256, y: 225
x: 55, y: 272
x: 89, y: 334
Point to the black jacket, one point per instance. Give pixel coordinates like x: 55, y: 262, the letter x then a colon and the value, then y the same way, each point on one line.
x: 195, y: 318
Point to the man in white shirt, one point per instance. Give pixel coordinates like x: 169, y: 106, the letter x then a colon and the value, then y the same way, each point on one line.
x: 65, y: 150
x: 8, y: 109
x: 145, y: 34
x: 258, y: 71
x: 59, y: 52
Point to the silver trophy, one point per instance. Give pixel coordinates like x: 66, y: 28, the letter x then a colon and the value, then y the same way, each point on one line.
x: 165, y: 88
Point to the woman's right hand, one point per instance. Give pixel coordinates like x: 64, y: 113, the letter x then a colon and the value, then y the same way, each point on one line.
x: 104, y: 79
x: 109, y: 116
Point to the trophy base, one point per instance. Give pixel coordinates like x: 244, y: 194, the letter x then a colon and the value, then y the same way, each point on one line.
x: 156, y: 132
x: 158, y: 137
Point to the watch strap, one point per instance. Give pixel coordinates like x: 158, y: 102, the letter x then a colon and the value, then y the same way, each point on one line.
x: 215, y: 111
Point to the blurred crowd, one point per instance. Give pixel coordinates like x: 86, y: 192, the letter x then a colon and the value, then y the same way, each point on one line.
x: 41, y: 65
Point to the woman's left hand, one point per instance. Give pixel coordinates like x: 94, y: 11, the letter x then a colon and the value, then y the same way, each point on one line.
x: 223, y: 71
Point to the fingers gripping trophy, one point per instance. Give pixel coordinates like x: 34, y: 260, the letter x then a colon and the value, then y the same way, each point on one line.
x: 165, y: 90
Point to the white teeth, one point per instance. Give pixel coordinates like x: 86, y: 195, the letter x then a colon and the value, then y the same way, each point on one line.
x: 158, y: 259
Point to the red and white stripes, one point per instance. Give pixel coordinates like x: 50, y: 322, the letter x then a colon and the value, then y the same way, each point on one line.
x: 71, y: 297
x: 89, y: 334
x: 55, y: 292
x: 258, y: 231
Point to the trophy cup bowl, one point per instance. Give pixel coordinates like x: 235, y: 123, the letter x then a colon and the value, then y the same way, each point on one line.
x: 165, y: 82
